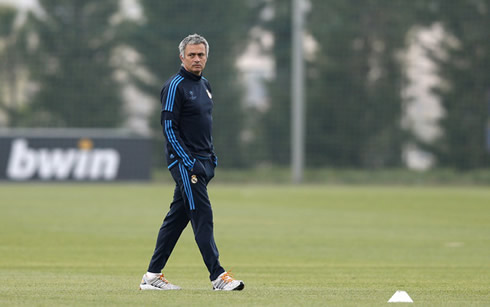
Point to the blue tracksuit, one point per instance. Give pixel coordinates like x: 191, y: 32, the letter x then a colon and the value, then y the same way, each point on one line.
x: 186, y: 119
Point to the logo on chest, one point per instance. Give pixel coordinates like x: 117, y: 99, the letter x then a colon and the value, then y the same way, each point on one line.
x: 209, y: 94
x: 192, y: 96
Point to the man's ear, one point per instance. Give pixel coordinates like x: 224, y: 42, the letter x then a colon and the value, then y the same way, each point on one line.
x: 181, y: 58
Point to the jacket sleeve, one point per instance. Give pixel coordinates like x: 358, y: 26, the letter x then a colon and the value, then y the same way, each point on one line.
x: 172, y: 101
x: 214, y: 157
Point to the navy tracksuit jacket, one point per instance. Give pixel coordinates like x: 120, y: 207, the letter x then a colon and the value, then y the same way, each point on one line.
x: 186, y: 119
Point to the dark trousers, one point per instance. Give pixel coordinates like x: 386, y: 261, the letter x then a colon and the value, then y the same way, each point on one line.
x: 190, y: 203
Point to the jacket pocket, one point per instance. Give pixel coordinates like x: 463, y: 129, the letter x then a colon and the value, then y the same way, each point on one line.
x: 173, y: 164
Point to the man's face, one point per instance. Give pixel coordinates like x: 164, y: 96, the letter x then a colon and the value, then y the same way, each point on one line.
x: 194, y: 59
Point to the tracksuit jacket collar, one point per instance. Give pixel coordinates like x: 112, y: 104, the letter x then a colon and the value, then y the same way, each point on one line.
x: 188, y: 75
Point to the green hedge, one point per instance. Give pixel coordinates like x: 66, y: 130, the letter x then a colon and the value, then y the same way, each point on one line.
x: 346, y: 176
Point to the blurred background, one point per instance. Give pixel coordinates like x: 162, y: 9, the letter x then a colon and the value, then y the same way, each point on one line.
x: 389, y: 85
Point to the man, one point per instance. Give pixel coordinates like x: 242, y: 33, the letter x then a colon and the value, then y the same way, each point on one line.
x: 187, y: 123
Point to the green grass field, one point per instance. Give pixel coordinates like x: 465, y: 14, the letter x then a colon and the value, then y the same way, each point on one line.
x: 309, y: 245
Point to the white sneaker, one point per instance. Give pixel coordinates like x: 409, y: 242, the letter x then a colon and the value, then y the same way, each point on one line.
x: 226, y: 282
x: 157, y: 283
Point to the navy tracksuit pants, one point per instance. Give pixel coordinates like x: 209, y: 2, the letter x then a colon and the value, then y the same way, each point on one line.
x: 190, y: 203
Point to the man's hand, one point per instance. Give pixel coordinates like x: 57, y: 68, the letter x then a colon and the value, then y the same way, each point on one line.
x: 198, y: 169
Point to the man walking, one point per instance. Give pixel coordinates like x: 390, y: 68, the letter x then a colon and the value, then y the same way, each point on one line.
x: 186, y: 119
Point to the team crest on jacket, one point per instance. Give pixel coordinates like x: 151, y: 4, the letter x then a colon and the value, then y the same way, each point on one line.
x: 209, y: 94
x: 194, y: 179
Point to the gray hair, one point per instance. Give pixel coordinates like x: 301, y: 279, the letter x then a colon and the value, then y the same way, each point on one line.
x: 193, y: 39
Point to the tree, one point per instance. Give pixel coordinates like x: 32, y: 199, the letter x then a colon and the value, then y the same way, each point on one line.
x: 276, y: 122
x: 465, y: 94
x: 71, y: 65
x: 355, y: 103
x: 353, y: 83
x: 9, y: 65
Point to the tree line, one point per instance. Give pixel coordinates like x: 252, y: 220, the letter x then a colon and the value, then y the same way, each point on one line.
x: 354, y: 78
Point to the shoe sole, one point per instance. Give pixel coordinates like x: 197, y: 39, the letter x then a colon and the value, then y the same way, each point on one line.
x: 149, y: 287
x: 240, y: 287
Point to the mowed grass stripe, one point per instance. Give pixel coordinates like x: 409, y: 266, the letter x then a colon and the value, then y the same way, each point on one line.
x: 307, y: 245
